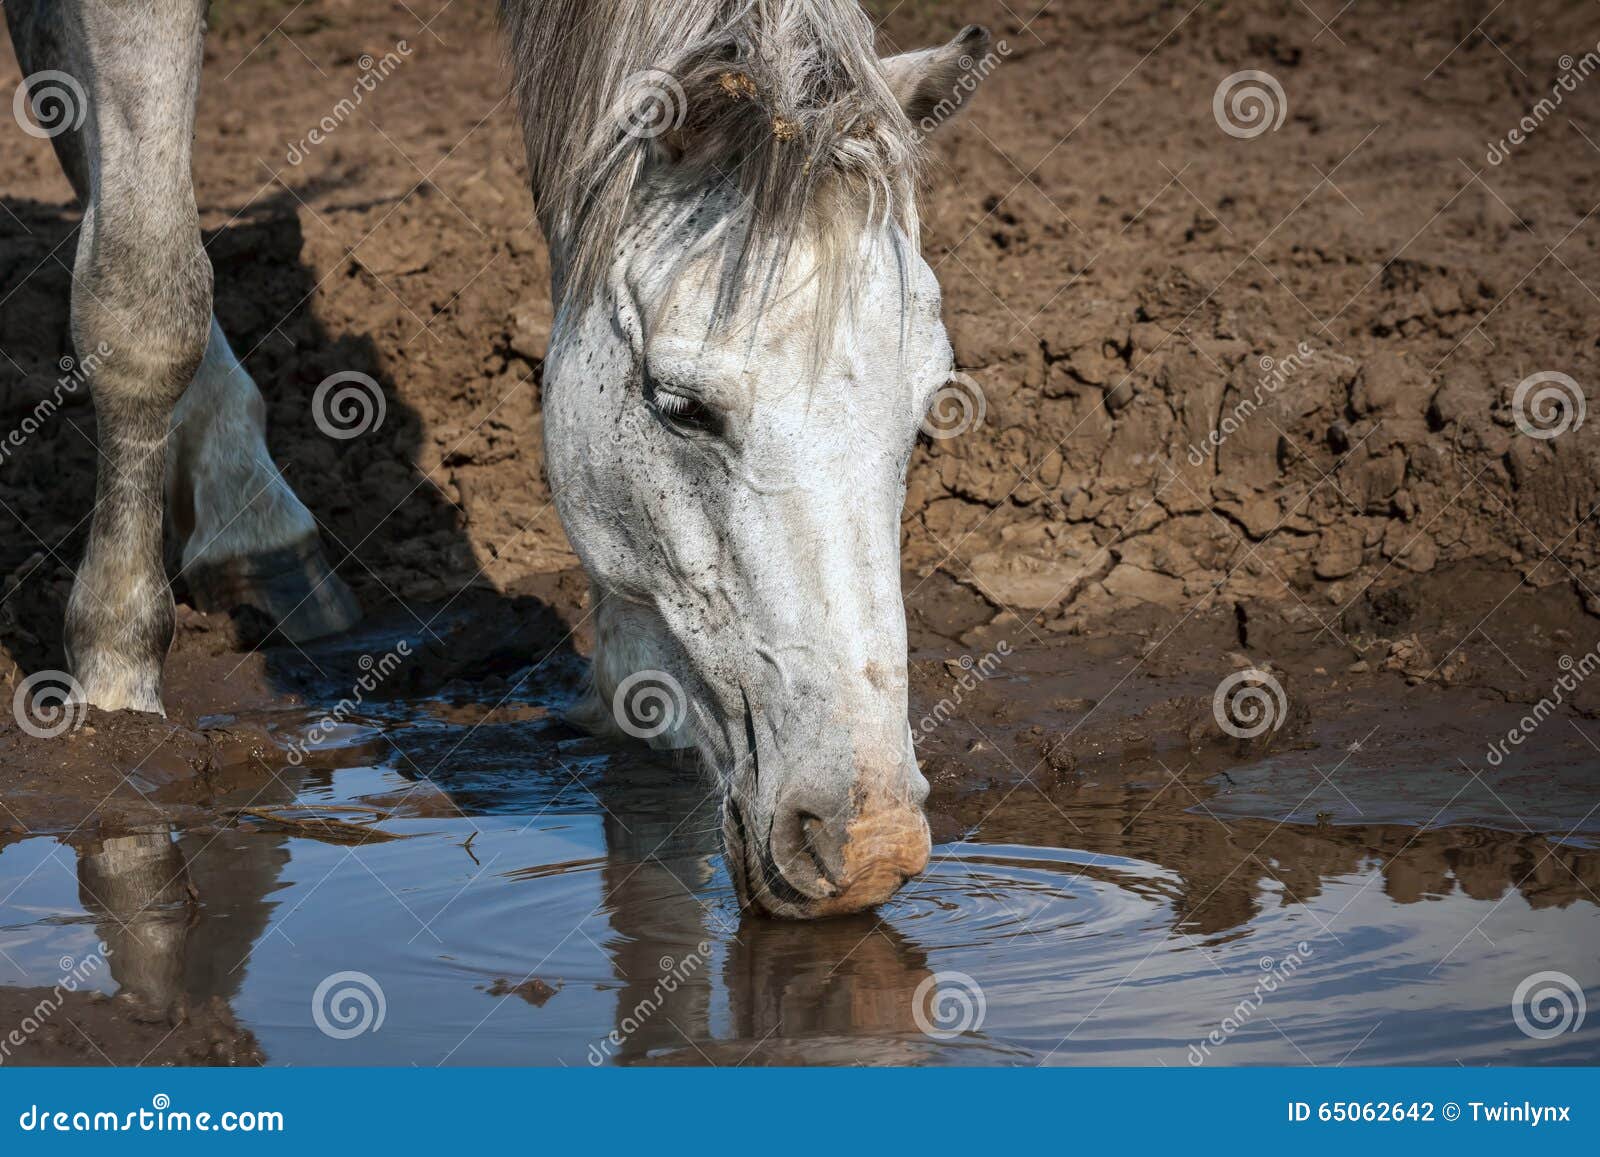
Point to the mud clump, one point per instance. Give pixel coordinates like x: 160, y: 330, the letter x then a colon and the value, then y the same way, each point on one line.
x: 102, y: 766
x: 535, y: 991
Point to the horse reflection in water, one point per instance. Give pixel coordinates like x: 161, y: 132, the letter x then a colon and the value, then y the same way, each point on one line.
x: 691, y: 981
x: 180, y: 915
x: 839, y: 991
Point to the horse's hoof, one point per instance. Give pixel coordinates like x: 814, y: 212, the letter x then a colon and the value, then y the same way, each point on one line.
x: 293, y: 586
x: 118, y: 687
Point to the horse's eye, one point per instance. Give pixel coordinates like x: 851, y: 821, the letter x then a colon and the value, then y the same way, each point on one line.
x: 680, y: 410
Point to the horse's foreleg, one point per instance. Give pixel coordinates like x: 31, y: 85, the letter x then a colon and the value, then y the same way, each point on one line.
x: 142, y: 319
x: 246, y: 540
x: 141, y: 307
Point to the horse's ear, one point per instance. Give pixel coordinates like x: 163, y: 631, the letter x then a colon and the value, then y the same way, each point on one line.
x: 933, y: 84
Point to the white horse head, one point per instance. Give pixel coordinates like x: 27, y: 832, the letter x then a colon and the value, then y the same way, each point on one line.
x: 747, y: 340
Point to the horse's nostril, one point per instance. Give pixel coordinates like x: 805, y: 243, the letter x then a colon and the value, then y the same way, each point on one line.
x: 845, y: 862
x: 806, y: 853
x: 826, y: 847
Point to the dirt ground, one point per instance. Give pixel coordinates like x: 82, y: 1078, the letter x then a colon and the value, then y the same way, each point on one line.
x: 94, y: 1029
x: 1250, y: 401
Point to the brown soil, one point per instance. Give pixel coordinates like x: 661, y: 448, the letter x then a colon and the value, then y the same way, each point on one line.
x: 1378, y: 534
x: 90, y: 1028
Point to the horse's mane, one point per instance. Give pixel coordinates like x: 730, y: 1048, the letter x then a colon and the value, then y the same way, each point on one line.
x: 784, y: 100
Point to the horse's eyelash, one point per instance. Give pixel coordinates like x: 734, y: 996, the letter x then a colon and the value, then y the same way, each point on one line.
x: 680, y: 409
x: 674, y: 405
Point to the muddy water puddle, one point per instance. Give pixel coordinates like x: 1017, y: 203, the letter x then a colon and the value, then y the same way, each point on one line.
x: 553, y: 901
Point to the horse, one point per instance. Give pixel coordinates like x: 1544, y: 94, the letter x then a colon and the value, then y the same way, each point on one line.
x: 745, y: 343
